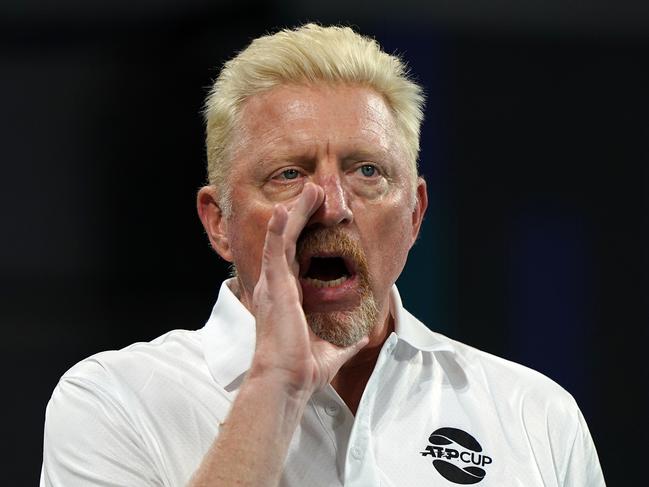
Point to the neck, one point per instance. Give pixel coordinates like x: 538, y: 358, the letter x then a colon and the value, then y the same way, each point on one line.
x: 351, y: 379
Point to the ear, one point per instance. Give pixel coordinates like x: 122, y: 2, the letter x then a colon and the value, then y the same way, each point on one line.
x: 214, y: 222
x: 421, y: 203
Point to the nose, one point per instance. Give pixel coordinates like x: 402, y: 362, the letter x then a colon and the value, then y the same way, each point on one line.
x: 334, y: 209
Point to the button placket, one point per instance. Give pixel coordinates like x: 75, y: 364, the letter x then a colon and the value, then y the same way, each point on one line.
x: 357, y: 453
x: 361, y: 468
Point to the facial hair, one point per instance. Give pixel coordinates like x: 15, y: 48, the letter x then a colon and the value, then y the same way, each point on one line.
x: 345, y: 327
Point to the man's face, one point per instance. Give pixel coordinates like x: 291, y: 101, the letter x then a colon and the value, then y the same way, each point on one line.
x: 342, y: 138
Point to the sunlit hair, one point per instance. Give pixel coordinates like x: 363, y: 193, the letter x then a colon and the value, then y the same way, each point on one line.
x: 308, y: 54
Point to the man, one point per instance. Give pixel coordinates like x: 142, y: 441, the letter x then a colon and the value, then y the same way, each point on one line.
x: 309, y: 371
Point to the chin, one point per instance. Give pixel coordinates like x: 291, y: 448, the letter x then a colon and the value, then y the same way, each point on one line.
x: 345, y: 328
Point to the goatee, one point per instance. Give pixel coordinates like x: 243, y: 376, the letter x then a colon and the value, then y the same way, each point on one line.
x: 346, y: 327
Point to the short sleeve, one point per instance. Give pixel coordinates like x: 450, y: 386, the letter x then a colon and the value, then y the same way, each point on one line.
x: 89, y: 439
x: 583, y: 468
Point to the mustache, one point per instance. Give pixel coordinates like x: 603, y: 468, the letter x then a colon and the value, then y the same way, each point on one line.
x: 331, y: 240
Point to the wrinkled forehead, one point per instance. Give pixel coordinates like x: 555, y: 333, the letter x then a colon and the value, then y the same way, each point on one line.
x: 291, y: 115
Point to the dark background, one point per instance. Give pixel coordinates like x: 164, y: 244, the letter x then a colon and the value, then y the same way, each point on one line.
x: 535, y: 148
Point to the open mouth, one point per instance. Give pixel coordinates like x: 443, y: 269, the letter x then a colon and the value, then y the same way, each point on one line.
x: 327, y: 271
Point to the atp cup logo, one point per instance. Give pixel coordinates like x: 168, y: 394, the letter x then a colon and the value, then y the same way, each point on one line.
x: 457, y: 456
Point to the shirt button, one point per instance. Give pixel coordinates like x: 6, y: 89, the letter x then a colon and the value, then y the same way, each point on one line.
x: 357, y: 453
x: 390, y: 347
x: 332, y: 409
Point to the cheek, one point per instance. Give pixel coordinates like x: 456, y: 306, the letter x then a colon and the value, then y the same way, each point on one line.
x: 275, y: 192
x: 387, y: 238
x: 369, y: 190
x: 247, y: 236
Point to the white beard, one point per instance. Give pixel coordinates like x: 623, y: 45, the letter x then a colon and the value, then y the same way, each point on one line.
x: 345, y: 328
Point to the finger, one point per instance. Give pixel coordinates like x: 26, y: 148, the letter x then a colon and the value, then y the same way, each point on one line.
x: 348, y: 352
x: 307, y: 204
x: 340, y: 355
x: 278, y: 220
x: 274, y: 256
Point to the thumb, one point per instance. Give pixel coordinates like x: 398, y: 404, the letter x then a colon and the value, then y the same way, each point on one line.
x: 346, y: 353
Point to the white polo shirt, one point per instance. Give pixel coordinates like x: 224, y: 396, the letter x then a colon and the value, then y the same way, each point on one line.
x: 435, y: 412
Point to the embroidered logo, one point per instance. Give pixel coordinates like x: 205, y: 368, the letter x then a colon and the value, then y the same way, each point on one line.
x: 457, y: 456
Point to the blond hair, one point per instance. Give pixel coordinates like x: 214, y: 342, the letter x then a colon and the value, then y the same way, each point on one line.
x: 308, y: 54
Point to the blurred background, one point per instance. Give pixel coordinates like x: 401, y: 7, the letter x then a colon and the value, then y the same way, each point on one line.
x: 535, y: 148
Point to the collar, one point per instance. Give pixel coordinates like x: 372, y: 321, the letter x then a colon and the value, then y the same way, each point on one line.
x: 412, y: 331
x: 229, y: 335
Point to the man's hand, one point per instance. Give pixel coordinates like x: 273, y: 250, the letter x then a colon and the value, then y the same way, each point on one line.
x: 287, y: 350
x: 289, y: 364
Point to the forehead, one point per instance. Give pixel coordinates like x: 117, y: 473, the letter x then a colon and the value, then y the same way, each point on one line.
x: 293, y: 117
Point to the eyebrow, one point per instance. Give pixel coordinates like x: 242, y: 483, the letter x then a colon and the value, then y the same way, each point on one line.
x: 305, y: 154
x: 274, y: 157
x: 378, y: 154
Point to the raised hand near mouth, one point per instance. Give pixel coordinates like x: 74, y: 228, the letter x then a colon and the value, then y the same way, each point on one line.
x: 289, y: 365
x: 286, y: 346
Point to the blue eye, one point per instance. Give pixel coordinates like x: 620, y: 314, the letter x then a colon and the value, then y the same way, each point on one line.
x: 290, y: 174
x: 368, y: 170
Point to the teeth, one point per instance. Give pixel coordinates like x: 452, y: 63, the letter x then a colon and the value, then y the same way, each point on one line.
x: 319, y: 283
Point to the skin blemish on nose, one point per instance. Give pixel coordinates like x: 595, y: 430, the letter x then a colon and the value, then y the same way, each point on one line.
x: 333, y: 188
